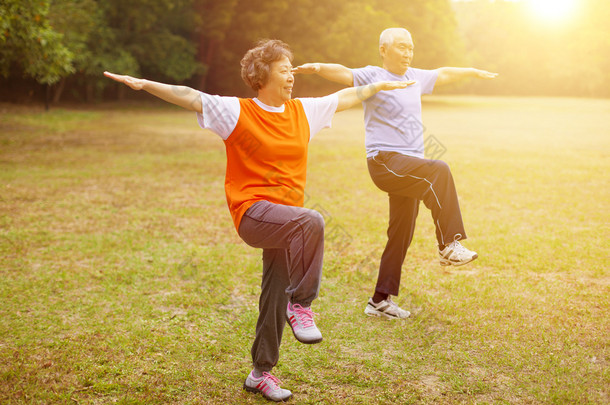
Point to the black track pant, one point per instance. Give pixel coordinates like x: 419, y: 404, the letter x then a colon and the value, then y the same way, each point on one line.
x: 407, y: 180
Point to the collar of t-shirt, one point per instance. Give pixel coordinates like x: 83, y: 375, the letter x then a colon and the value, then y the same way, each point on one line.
x: 269, y: 108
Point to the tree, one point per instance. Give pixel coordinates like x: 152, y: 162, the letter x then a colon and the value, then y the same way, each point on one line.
x: 434, y: 28
x: 178, y: 40
x: 567, y: 58
x: 151, y: 38
x: 30, y: 45
x: 212, y: 24
x: 140, y: 37
x: 76, y: 20
x: 340, y: 31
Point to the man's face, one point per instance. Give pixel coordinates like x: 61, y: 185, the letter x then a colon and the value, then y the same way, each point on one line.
x: 281, y: 80
x: 397, y: 56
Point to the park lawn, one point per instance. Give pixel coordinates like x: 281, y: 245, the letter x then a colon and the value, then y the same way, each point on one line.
x: 124, y: 281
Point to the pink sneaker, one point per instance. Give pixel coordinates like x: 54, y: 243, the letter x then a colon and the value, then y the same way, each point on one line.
x: 302, y: 324
x: 268, y: 386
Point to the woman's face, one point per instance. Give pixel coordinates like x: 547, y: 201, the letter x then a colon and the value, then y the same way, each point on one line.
x: 278, y: 88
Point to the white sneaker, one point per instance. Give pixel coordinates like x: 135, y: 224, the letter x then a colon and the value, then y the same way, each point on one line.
x: 303, y: 326
x: 387, y: 309
x: 455, y: 254
x: 268, y: 386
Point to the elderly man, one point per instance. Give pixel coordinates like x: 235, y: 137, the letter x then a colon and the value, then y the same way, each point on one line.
x: 395, y: 154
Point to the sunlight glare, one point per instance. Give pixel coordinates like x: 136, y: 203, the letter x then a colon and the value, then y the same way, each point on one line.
x: 553, y: 10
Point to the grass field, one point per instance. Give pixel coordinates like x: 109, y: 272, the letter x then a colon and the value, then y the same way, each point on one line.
x: 123, y: 280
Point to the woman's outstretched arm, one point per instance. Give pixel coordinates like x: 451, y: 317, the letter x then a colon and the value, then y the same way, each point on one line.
x: 351, y: 96
x: 182, y: 96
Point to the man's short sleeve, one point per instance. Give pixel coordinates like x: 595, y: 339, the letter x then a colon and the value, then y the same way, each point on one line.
x: 219, y: 114
x: 362, y: 76
x: 319, y: 112
x: 426, y: 78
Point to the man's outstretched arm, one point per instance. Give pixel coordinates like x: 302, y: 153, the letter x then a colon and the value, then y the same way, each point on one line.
x: 448, y: 75
x: 182, y: 96
x: 330, y: 71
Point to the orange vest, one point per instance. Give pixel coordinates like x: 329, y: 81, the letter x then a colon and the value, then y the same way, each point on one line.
x: 266, y: 157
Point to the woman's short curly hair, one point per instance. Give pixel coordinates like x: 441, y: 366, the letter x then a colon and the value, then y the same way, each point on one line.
x: 256, y: 63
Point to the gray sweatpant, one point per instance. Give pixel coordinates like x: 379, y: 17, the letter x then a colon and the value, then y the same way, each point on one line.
x: 292, y: 239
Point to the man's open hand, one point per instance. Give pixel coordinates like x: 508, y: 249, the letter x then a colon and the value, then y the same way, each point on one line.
x: 484, y: 74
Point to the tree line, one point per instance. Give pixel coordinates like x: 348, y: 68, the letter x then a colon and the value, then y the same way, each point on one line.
x: 58, y: 48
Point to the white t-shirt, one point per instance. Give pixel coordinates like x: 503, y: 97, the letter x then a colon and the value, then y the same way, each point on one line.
x: 220, y: 114
x: 393, y: 120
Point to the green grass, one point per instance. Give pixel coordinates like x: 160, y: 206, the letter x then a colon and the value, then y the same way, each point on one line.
x: 123, y: 280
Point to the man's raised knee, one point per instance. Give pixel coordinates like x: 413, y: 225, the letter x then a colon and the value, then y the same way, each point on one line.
x: 441, y: 166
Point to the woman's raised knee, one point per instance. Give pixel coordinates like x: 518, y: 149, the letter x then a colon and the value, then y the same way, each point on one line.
x: 311, y: 221
x: 316, y: 220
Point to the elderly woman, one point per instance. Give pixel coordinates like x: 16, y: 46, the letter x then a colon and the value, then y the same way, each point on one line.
x: 266, y: 141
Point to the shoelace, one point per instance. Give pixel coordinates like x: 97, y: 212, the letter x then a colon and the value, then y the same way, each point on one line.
x: 395, y: 306
x: 458, y: 248
x: 305, y: 315
x: 270, y: 382
x: 392, y: 308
